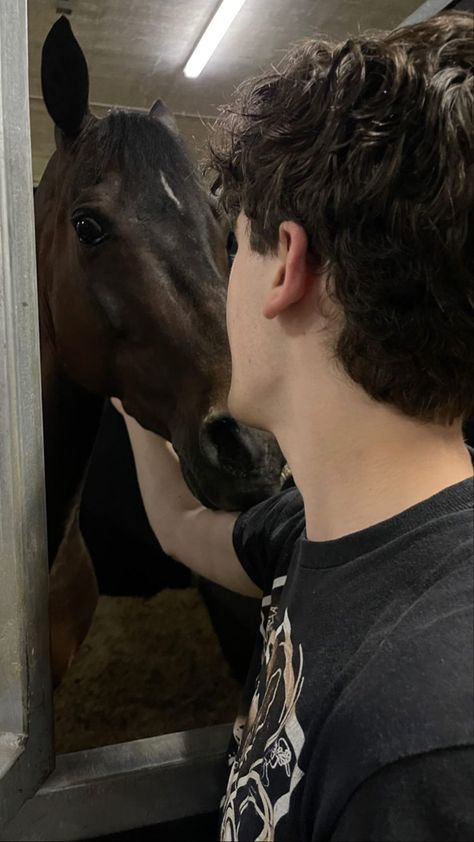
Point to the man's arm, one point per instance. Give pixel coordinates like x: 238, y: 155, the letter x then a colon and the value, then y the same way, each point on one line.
x: 198, y: 537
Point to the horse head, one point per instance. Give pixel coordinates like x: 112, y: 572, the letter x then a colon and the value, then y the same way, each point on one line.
x: 133, y: 270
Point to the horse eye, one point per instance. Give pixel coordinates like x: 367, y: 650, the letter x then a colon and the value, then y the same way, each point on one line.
x: 231, y: 247
x: 89, y: 230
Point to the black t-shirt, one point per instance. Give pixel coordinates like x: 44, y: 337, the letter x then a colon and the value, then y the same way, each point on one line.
x: 357, y: 716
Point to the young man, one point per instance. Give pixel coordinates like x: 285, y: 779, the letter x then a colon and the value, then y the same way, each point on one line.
x: 351, y: 325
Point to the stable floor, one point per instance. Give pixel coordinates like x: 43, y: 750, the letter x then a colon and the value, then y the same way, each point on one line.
x: 147, y: 667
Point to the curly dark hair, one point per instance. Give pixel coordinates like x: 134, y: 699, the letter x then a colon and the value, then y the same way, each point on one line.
x: 368, y: 144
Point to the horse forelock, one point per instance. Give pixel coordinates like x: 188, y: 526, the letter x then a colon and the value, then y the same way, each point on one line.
x: 134, y: 144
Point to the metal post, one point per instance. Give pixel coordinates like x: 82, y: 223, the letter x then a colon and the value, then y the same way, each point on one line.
x: 25, y: 696
x: 425, y: 11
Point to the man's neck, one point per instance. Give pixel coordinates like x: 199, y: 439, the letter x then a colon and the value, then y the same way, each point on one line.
x: 357, y: 462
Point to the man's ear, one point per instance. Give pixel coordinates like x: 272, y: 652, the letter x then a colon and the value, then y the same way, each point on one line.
x: 292, y: 277
x: 65, y: 81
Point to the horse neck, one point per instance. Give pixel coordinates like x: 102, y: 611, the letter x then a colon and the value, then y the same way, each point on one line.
x: 71, y: 418
x: 71, y: 414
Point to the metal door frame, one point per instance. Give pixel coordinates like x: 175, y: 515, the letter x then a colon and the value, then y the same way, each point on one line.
x: 26, y: 756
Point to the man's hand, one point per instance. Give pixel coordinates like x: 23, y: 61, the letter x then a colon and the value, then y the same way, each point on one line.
x: 166, y: 471
x: 198, y: 537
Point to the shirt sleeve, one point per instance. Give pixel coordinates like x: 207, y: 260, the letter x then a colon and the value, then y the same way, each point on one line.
x: 265, y: 535
x: 428, y: 797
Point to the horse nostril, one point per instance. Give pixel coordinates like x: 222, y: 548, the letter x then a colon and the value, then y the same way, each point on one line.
x: 224, y: 447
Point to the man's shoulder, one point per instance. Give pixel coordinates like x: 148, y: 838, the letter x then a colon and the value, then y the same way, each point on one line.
x: 265, y: 536
x: 275, y: 511
x: 413, y: 690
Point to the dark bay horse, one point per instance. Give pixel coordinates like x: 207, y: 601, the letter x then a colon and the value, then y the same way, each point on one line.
x: 132, y: 278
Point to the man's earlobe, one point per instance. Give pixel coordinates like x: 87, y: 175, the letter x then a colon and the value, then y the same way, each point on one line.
x: 276, y: 300
x: 292, y: 279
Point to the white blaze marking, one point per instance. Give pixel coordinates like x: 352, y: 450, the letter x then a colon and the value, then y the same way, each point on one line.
x: 169, y: 191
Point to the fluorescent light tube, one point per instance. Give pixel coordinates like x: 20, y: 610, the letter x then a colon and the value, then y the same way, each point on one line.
x: 214, y: 33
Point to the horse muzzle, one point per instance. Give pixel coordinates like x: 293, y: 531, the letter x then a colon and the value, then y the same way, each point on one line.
x: 232, y: 466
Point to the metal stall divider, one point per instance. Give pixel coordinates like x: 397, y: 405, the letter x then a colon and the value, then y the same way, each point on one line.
x: 103, y: 790
x: 26, y: 754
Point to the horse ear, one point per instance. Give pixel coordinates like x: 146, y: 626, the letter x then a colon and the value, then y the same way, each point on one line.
x: 65, y: 79
x: 160, y: 112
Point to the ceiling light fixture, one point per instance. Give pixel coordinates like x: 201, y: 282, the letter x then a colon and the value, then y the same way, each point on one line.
x: 217, y: 28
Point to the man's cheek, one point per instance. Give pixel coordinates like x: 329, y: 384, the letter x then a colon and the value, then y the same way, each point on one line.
x: 231, y: 312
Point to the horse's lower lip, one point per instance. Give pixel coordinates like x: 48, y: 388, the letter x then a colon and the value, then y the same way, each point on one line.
x: 192, y: 485
x: 238, y: 498
x: 248, y: 488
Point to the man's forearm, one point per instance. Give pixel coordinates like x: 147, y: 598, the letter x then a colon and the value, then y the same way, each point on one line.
x: 196, y: 536
x: 165, y: 496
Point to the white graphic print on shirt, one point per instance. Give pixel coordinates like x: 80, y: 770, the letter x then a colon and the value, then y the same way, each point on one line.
x: 265, y: 771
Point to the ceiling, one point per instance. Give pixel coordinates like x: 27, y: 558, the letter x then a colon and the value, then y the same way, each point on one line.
x: 136, y: 51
